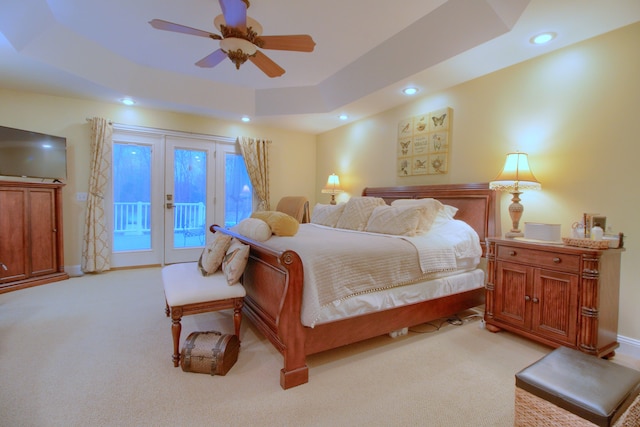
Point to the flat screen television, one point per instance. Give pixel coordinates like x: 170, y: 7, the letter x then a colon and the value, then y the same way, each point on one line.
x: 32, y: 155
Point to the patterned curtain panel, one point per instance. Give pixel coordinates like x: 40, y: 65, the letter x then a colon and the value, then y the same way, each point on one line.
x: 96, y: 251
x: 256, y: 158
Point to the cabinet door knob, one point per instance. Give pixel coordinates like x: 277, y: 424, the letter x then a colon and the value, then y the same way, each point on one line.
x: 512, y: 253
x: 527, y: 298
x: 535, y: 300
x: 557, y: 260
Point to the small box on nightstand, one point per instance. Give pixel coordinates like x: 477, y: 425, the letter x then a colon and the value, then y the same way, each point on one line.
x: 539, y: 231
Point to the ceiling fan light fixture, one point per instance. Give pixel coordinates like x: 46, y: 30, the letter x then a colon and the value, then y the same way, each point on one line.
x: 251, y: 34
x: 238, y: 50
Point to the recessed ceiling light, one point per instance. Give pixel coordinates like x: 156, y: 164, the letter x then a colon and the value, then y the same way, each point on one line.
x: 127, y: 101
x: 543, y: 38
x: 410, y: 90
x: 246, y: 119
x: 343, y: 117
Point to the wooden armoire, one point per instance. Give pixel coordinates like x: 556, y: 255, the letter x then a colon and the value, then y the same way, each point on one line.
x: 31, y: 238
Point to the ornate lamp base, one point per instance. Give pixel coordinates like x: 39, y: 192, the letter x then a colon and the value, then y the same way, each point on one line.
x: 515, y: 212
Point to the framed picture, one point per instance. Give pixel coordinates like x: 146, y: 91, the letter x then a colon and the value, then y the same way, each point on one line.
x: 423, y: 144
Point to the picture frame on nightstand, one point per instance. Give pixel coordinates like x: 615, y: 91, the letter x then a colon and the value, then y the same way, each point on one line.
x: 590, y: 220
x: 600, y: 221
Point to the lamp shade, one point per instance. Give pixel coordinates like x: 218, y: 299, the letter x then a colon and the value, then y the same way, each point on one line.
x: 333, y: 185
x: 516, y: 175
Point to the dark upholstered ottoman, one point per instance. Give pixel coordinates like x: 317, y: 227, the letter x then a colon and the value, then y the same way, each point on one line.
x: 570, y: 388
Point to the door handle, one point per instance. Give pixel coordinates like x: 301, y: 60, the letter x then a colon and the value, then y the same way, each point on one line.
x: 169, y: 205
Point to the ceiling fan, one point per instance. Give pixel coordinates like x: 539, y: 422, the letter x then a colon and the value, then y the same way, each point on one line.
x: 241, y: 37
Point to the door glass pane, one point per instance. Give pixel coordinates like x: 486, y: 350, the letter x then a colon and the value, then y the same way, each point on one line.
x: 189, y: 199
x: 237, y: 189
x: 131, y: 197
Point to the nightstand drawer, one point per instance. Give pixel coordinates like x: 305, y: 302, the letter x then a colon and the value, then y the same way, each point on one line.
x: 558, y: 261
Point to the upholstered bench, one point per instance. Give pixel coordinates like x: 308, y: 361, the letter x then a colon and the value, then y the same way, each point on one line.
x: 187, y: 292
x: 570, y: 388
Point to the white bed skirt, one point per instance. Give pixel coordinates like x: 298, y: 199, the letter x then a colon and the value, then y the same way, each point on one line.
x: 403, y: 295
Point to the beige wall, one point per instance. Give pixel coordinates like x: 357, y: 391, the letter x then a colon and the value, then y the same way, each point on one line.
x: 575, y: 111
x: 291, y: 156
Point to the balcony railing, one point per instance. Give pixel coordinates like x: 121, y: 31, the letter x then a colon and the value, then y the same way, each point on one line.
x: 135, y: 218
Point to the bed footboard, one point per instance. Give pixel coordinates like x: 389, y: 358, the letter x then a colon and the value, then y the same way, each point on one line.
x: 273, y: 282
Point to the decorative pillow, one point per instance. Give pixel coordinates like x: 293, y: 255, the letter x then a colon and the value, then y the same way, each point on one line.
x: 212, y: 255
x: 434, y: 209
x: 397, y: 220
x: 357, y: 212
x: 449, y: 211
x: 235, y: 261
x: 327, y: 215
x: 281, y: 224
x: 255, y: 229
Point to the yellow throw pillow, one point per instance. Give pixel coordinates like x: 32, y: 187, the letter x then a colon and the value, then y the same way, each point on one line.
x: 281, y: 224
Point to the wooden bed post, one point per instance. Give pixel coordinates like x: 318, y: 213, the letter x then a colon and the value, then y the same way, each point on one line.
x: 290, y: 329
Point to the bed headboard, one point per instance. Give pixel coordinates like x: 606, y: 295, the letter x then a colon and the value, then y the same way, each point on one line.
x: 476, y: 203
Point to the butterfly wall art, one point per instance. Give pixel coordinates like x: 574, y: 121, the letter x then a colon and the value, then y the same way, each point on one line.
x: 423, y: 144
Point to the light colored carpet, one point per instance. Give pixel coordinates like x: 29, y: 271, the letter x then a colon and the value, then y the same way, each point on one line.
x: 96, y: 351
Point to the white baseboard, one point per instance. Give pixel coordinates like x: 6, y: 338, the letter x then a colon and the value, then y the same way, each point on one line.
x: 629, y: 347
x: 73, y: 270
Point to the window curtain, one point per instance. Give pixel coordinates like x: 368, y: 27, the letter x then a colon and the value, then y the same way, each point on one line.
x: 96, y: 251
x: 256, y: 157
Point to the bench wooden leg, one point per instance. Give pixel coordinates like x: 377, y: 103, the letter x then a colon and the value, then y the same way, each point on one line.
x: 176, y: 329
x: 237, y: 315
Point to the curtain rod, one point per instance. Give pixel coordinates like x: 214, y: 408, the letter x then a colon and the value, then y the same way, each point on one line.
x: 90, y: 118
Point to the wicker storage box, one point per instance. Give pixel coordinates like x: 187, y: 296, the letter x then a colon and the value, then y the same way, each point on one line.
x: 209, y: 353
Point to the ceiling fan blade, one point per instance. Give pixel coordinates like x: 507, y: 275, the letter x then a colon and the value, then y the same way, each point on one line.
x: 267, y: 66
x: 170, y: 26
x: 235, y: 13
x: 212, y: 60
x: 296, y: 42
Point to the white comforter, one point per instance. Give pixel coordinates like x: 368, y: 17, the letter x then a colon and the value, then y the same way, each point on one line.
x: 340, y: 264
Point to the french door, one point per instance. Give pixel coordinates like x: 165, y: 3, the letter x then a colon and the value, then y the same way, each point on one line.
x: 190, y: 197
x: 167, y: 189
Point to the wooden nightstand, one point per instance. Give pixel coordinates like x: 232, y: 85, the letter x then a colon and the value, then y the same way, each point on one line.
x: 554, y: 294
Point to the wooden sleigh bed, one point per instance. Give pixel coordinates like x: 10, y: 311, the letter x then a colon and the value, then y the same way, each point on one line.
x: 274, y: 285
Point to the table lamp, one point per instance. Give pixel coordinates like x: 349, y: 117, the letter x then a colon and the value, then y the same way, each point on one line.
x: 332, y: 187
x: 516, y: 175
